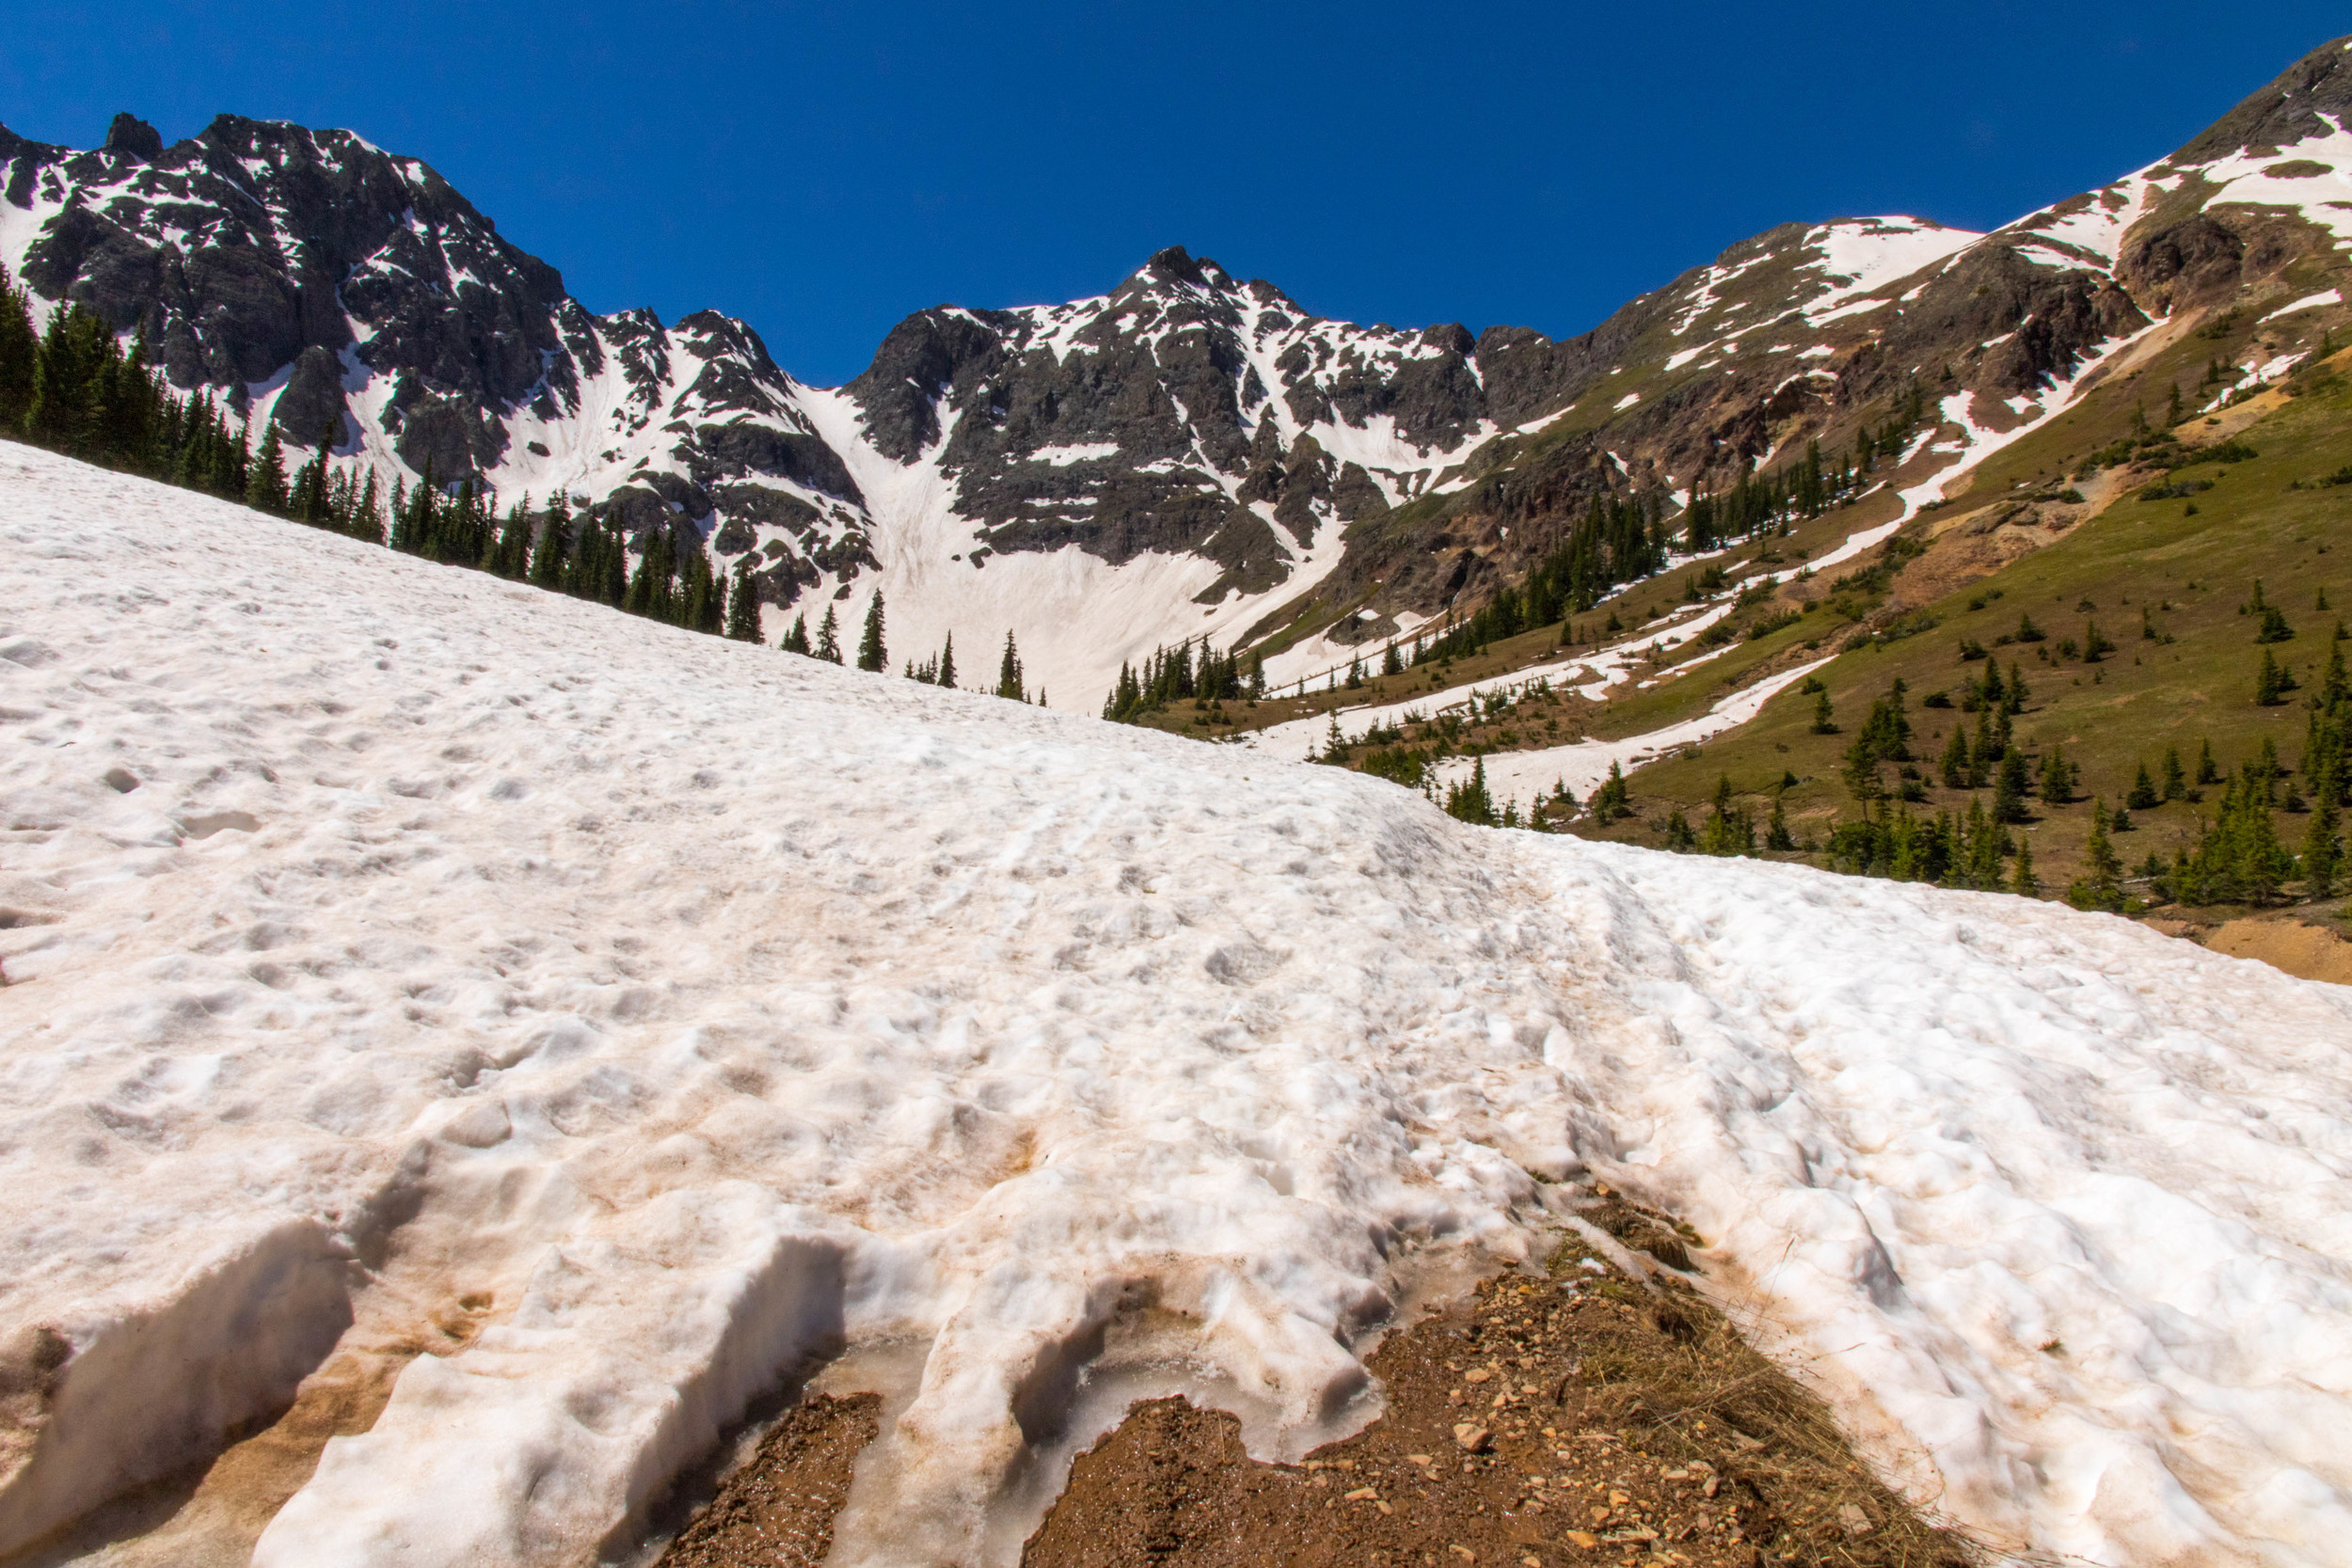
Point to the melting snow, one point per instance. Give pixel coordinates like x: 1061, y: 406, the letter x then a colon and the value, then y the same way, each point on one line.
x: 2324, y: 296
x: 1061, y: 457
x: 690, y: 1004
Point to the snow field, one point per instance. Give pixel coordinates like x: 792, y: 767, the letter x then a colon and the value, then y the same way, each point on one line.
x: 692, y: 1011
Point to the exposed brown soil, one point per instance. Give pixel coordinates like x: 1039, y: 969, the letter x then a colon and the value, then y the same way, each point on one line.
x: 1575, y: 1418
x: 2296, y: 947
x: 778, y: 1507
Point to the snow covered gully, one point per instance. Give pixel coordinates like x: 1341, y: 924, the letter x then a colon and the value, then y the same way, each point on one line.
x: 386, y: 943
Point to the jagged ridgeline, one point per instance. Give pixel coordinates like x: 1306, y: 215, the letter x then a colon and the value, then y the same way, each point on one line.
x: 1190, y: 455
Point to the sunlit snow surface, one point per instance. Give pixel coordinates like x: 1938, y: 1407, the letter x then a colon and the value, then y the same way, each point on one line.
x: 695, y: 1004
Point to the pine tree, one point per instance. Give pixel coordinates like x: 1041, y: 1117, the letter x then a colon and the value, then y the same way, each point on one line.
x: 20, y: 354
x: 743, y: 603
x: 948, y: 662
x: 1008, y: 679
x: 412, y: 526
x: 871, y: 652
x: 829, y: 638
x: 1390, y: 662
x: 265, y: 482
x: 1612, y: 799
x: 2175, y: 782
x: 2009, y: 790
x: 2022, y: 879
x: 553, y: 549
x: 1955, y: 771
x: 1470, y: 802
x: 1824, y: 720
x: 57, y: 411
x: 796, y: 636
x: 2323, y: 851
x: 1777, y: 836
x: 2100, y: 886
x: 2271, y: 682
x: 2143, y: 795
x: 2057, y: 778
x: 2207, y: 771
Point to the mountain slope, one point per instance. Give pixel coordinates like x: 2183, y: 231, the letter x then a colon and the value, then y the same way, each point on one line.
x: 1188, y: 455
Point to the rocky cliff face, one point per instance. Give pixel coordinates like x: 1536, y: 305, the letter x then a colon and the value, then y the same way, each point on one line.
x: 1200, y: 454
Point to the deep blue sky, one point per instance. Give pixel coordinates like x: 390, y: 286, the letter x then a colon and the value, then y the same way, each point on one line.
x: 824, y: 169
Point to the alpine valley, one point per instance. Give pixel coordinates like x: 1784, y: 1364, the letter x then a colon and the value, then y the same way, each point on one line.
x: 494, y: 1077
x: 1190, y: 455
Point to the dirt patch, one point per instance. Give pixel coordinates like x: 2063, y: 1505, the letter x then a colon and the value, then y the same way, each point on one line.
x: 778, y: 1507
x: 2303, y: 950
x: 210, y: 1514
x: 1574, y: 1418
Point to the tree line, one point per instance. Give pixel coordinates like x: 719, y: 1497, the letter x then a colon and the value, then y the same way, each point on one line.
x: 75, y: 389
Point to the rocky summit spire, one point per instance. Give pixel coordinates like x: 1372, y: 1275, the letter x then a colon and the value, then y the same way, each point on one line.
x: 132, y: 136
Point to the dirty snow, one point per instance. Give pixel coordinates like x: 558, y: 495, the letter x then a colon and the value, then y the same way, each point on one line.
x: 382, y: 931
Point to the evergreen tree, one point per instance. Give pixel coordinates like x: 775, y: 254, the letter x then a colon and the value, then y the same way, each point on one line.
x: 2323, y: 851
x: 1009, y: 677
x: 829, y: 638
x: 2175, y: 782
x: 1955, y: 769
x: 413, y: 528
x: 57, y: 411
x: 551, y: 552
x: 948, y: 662
x: 1824, y: 720
x: 2272, y: 682
x: 743, y: 603
x: 2057, y: 778
x: 265, y: 482
x: 871, y: 652
x: 511, y: 556
x: 1777, y: 836
x: 2207, y: 771
x: 1469, y: 802
x: 2143, y: 795
x: 1392, y: 663
x: 2022, y: 879
x: 2009, y: 790
x: 796, y: 636
x: 1613, y: 801
x: 20, y: 354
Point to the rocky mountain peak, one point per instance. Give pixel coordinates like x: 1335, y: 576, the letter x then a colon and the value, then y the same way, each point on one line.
x: 2310, y: 98
x: 134, y: 137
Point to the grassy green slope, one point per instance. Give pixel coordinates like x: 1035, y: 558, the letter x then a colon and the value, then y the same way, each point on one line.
x: 2188, y: 563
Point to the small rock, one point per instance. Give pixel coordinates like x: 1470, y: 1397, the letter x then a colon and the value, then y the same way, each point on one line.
x: 1471, y: 1437
x: 1583, y: 1538
x: 1363, y: 1495
x: 1852, y: 1520
x: 1476, y: 1374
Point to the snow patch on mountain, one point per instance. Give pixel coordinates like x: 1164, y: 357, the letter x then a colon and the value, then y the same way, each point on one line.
x: 1861, y: 256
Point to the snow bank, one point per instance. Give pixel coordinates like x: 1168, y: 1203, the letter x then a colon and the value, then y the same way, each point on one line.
x: 680, y: 1012
x: 1581, y: 764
